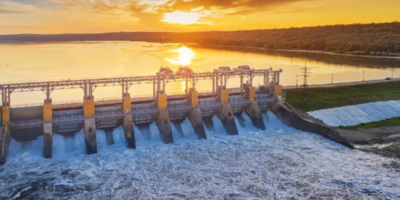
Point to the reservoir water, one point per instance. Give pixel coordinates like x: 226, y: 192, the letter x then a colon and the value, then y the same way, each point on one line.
x: 55, y: 61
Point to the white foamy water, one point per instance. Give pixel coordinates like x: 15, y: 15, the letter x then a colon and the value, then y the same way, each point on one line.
x: 278, y: 163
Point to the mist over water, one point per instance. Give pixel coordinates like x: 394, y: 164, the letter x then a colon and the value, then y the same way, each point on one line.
x: 278, y: 163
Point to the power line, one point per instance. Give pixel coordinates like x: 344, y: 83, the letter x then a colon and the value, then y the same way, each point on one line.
x: 306, y: 72
x: 392, y: 72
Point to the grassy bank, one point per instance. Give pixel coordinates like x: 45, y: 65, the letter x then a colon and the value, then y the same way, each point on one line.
x: 311, y: 99
x: 384, y: 123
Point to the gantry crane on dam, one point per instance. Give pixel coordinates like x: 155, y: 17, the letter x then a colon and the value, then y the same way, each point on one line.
x: 29, y: 122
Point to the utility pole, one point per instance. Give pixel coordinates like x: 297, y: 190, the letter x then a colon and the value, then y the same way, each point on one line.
x: 363, y: 75
x: 392, y: 72
x: 305, y: 73
x: 297, y: 80
x: 332, y: 78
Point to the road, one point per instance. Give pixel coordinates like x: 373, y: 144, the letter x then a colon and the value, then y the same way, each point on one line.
x: 344, y: 84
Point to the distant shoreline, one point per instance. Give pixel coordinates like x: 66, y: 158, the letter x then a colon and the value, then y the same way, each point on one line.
x: 223, y: 46
x: 301, y: 51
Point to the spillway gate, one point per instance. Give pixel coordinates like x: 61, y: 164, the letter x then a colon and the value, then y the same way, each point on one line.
x: 24, y: 123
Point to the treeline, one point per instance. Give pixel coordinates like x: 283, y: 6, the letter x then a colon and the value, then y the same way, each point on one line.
x: 365, y: 39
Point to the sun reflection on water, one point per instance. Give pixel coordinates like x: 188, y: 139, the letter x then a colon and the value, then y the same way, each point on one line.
x: 184, y: 56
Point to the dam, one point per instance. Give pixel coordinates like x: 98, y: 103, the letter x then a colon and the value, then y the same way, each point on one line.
x: 26, y: 123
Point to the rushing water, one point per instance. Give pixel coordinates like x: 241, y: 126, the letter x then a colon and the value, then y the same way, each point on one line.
x: 278, y: 163
x: 39, y: 62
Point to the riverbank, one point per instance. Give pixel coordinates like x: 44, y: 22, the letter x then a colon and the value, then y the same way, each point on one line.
x: 394, y: 56
x: 382, y: 137
x: 373, y: 125
x: 384, y: 141
x: 375, y: 39
x: 311, y: 99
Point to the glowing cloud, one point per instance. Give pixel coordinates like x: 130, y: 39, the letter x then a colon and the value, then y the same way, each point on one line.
x: 184, y: 18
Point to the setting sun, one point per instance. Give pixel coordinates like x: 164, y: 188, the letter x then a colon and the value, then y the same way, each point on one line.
x: 184, y: 57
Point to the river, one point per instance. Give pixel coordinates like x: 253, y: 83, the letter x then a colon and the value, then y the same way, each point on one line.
x: 278, y: 163
x: 76, y: 60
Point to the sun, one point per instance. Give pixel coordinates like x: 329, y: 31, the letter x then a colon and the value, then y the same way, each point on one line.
x: 184, y: 18
x: 184, y: 56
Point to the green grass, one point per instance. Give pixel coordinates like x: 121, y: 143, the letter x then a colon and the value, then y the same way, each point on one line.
x: 311, y: 99
x: 384, y: 123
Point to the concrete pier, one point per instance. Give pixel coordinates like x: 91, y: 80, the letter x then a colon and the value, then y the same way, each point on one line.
x: 90, y: 135
x: 162, y: 120
x: 89, y: 126
x: 253, y: 111
x: 129, y: 131
x: 5, y: 140
x: 47, y: 139
x: 225, y: 112
x: 127, y: 122
x: 195, y: 116
x: 47, y: 129
x: 197, y: 123
x: 164, y: 126
x: 5, y: 115
x: 227, y: 118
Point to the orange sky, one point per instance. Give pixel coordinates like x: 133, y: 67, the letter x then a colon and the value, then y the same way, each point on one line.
x: 90, y: 16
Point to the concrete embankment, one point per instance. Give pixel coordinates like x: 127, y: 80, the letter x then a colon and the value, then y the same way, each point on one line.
x: 293, y: 118
x: 384, y: 141
x: 358, y: 114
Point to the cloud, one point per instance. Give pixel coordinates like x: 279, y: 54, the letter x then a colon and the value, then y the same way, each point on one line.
x: 98, y: 6
x: 154, y: 12
x: 13, y: 7
x: 239, y: 5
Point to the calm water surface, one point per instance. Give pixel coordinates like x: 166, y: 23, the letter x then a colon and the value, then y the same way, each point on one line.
x: 40, y: 62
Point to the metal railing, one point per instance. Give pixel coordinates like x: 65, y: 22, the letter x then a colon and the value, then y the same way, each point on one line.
x: 27, y: 105
x: 142, y: 113
x: 26, y: 122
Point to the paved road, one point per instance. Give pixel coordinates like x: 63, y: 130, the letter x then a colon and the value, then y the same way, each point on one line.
x: 345, y: 84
